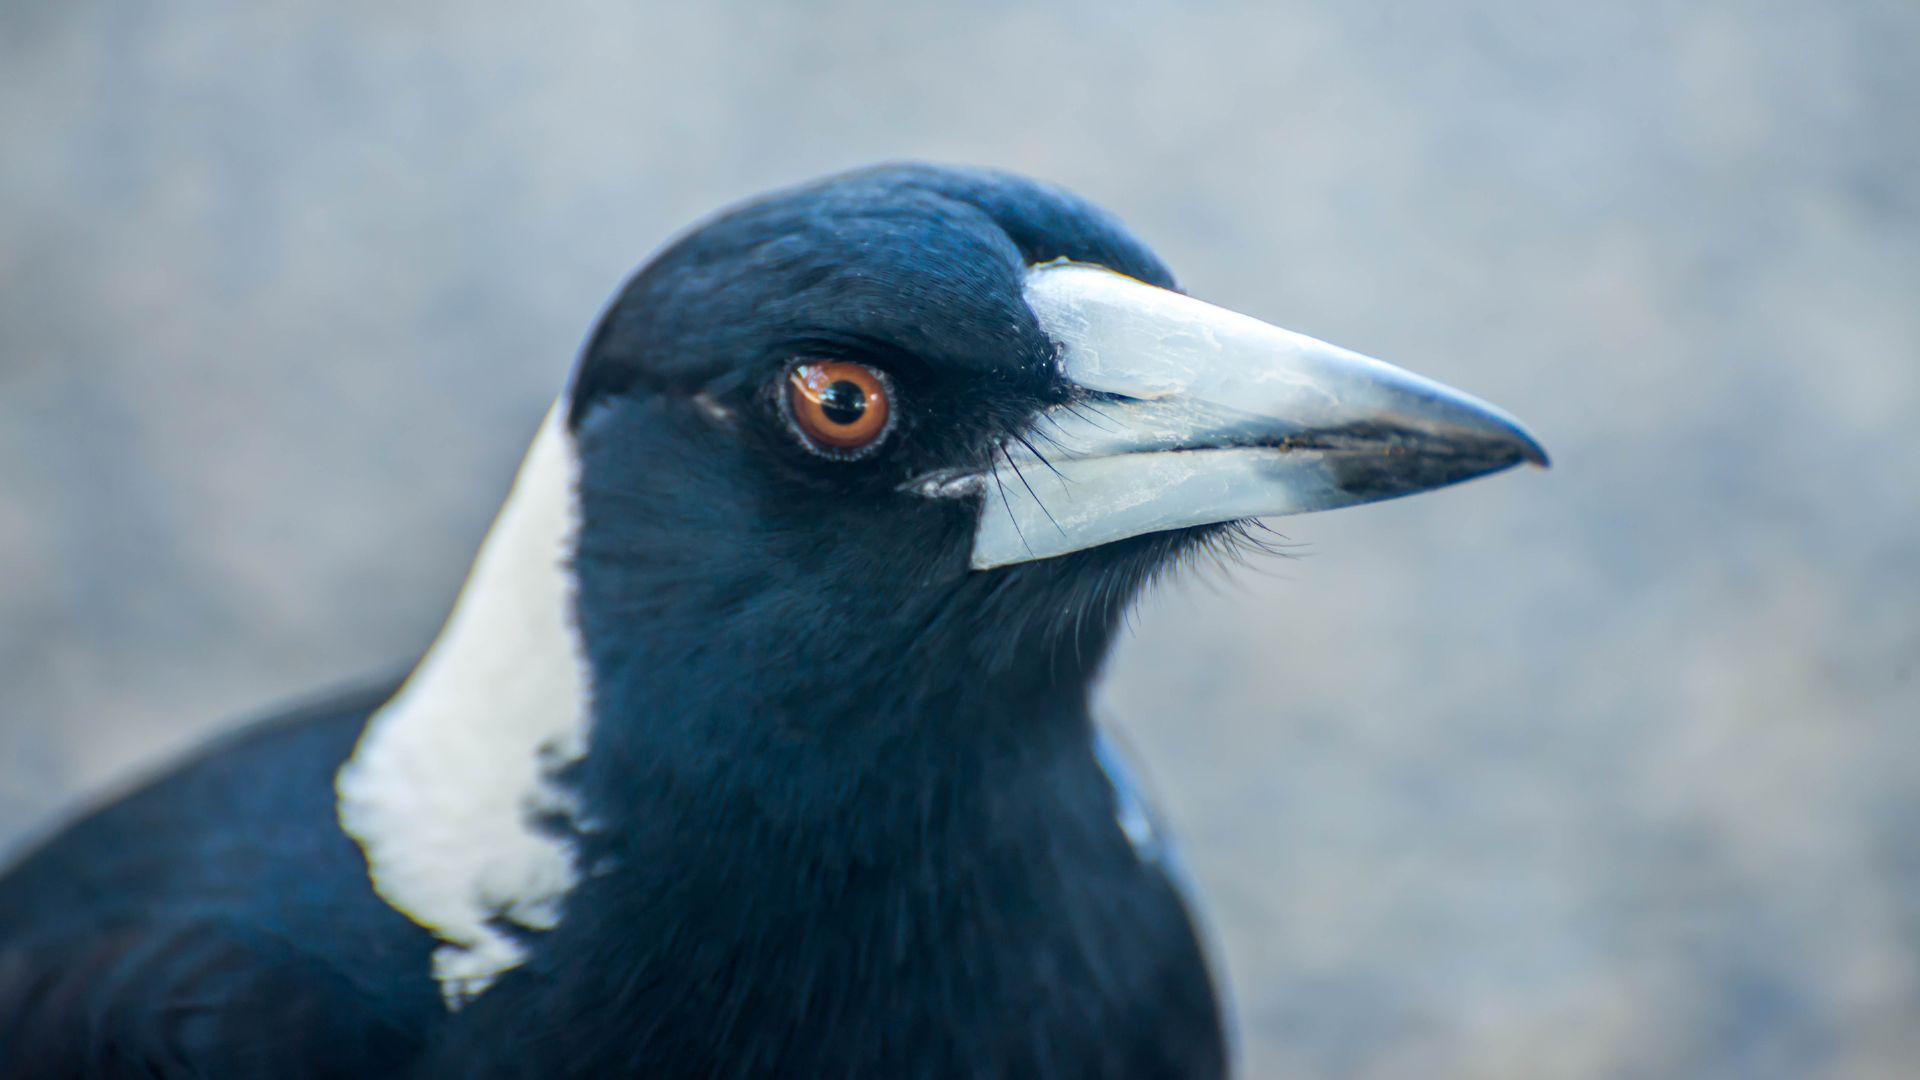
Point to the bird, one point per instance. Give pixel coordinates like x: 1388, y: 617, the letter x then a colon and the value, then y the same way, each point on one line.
x: 758, y: 741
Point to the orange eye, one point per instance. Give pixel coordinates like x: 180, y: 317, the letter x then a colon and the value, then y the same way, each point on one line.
x: 838, y: 405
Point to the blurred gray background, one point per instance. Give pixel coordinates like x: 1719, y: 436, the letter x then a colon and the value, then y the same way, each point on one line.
x: 1610, y: 771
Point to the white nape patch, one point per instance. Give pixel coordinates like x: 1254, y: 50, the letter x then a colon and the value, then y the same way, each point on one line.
x: 451, y: 776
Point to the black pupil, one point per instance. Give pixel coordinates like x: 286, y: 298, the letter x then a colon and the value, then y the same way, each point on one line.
x: 843, y: 402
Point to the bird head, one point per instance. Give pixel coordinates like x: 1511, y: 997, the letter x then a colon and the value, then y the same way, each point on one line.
x: 945, y: 423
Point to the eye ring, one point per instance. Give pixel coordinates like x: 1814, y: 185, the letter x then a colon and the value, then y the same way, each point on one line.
x: 839, y: 408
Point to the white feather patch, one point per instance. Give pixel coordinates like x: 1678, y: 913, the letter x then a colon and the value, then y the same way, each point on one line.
x: 1129, y: 808
x: 450, y: 777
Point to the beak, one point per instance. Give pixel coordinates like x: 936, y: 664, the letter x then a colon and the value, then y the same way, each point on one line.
x: 1188, y: 414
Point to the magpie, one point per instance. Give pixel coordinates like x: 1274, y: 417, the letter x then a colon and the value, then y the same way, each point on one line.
x: 757, y: 742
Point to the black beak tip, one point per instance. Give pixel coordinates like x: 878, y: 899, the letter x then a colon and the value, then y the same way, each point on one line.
x: 1525, y: 447
x: 1534, y: 454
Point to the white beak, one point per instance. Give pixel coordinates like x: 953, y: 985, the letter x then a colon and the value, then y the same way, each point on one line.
x: 1192, y: 414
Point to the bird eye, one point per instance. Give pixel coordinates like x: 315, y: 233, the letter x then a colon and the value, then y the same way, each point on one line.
x: 840, y: 407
